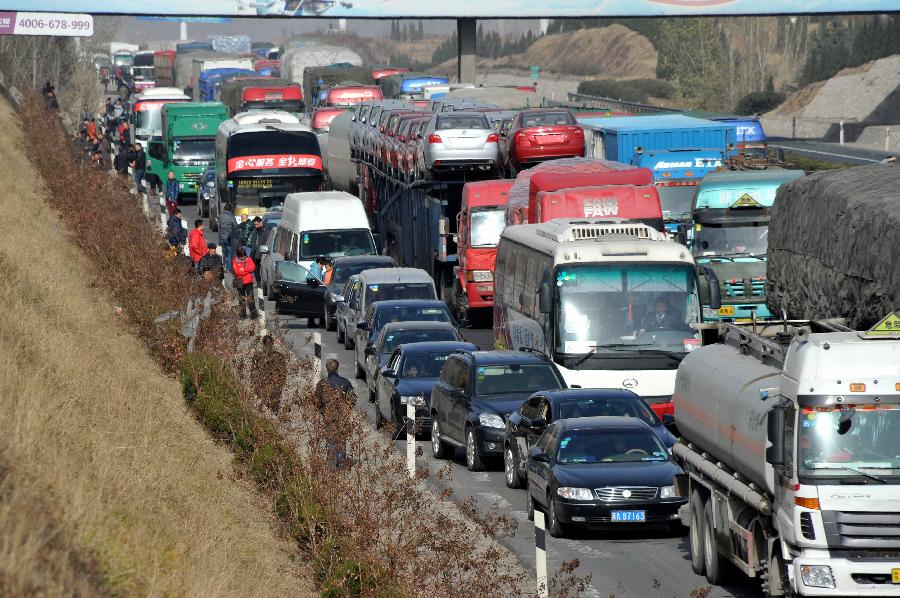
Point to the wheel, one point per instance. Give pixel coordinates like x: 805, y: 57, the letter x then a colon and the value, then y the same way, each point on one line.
x: 372, y: 397
x: 474, y: 461
x: 513, y: 479
x: 360, y: 372
x: 340, y: 334
x: 529, y: 505
x: 398, y: 423
x: 379, y: 420
x: 348, y: 341
x: 696, y: 532
x: 712, y: 560
x: 312, y: 323
x: 555, y: 528
x: 327, y: 321
x: 439, y: 449
x: 777, y: 583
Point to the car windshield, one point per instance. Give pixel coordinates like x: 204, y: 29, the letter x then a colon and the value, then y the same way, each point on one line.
x: 606, y: 445
x: 540, y: 119
x: 837, y: 440
x: 590, y: 407
x: 343, y: 272
x: 461, y: 121
x: 716, y: 239
x: 423, y: 365
x: 401, y: 290
x: 335, y: 243
x: 291, y: 272
x: 605, y: 310
x: 514, y: 378
x: 487, y: 225
x: 410, y: 314
x: 402, y: 337
x: 194, y: 149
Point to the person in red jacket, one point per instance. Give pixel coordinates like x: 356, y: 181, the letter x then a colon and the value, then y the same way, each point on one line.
x: 197, y: 244
x: 243, y: 268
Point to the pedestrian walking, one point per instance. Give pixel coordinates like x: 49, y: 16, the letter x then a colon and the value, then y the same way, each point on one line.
x: 175, y: 232
x: 172, y: 191
x: 257, y: 239
x: 244, y: 268
x: 335, y: 399
x: 228, y: 234
x: 197, y: 244
x: 245, y: 229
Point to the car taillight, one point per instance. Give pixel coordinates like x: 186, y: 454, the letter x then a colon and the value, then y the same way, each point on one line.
x: 435, y: 139
x: 401, y: 138
x: 492, y: 138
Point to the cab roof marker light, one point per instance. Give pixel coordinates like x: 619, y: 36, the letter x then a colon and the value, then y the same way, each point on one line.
x: 857, y: 387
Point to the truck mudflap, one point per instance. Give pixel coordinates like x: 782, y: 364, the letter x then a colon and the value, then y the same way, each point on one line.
x: 815, y: 573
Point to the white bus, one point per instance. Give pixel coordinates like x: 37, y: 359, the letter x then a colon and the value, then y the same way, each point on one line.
x: 612, y: 302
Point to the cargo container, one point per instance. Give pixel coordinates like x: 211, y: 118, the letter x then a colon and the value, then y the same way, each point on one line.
x: 143, y: 71
x: 163, y: 68
x: 220, y: 61
x: 408, y: 86
x: 211, y: 79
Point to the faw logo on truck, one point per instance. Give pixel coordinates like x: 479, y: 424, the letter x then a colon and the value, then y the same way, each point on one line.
x: 598, y: 208
x: 696, y: 163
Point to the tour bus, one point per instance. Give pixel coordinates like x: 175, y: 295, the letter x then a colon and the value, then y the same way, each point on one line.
x: 613, y: 303
x: 146, y: 114
x: 261, y: 156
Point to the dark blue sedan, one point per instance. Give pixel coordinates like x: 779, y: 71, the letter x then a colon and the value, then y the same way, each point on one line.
x: 527, y: 423
x: 409, y: 375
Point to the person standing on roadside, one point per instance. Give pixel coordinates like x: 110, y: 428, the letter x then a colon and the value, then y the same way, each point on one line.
x: 245, y: 229
x: 228, y: 233
x: 335, y: 398
x: 257, y: 238
x: 105, y: 149
x: 171, y: 193
x: 197, y: 244
x: 138, y: 166
x: 243, y: 268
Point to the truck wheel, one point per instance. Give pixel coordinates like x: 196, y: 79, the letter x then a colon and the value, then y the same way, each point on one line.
x: 348, y: 340
x: 529, y: 505
x: 360, y: 373
x: 696, y: 532
x: 777, y: 583
x: 439, y: 449
x: 712, y: 560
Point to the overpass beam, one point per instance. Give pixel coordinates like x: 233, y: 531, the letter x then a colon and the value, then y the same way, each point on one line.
x: 465, y: 55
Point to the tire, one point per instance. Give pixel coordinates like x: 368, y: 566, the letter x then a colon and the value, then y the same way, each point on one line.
x: 778, y: 585
x: 312, y: 323
x: 511, y: 471
x: 360, y: 373
x: 439, y: 449
x: 348, y: 342
x: 712, y: 561
x: 340, y: 334
x: 696, y: 533
x: 328, y: 322
x: 556, y: 529
x: 379, y: 420
x: 529, y: 505
x: 474, y: 460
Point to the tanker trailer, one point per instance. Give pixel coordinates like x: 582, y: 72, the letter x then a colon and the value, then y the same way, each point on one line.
x: 790, y: 440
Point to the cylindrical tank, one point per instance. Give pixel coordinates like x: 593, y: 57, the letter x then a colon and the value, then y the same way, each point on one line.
x: 341, y: 171
x: 718, y: 408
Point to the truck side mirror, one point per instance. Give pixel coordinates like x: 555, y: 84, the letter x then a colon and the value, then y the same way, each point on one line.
x: 709, y: 288
x: 775, y: 435
x: 681, y: 234
x: 545, y: 298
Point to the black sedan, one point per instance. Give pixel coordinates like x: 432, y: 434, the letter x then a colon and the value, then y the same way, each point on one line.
x: 525, y: 425
x: 297, y: 291
x: 341, y: 271
x: 410, y: 374
x: 602, y: 472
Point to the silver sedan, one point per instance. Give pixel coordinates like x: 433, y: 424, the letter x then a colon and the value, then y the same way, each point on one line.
x: 460, y: 141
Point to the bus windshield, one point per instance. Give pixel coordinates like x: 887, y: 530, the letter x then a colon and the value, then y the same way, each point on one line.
x: 731, y: 240
x: 616, y: 309
x: 148, y: 121
x: 487, y: 225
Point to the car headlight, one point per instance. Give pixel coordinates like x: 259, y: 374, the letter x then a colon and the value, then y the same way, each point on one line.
x: 491, y: 420
x: 417, y: 401
x: 667, y: 492
x: 575, y: 493
x: 479, y: 276
x: 817, y: 576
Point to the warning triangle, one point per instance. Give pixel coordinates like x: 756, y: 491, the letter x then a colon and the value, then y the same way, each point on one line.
x: 745, y: 201
x: 889, y: 325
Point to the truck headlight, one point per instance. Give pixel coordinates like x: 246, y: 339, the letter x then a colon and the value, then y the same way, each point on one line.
x: 417, y: 401
x: 479, y: 276
x: 575, y: 493
x: 490, y: 420
x: 667, y: 492
x: 817, y: 576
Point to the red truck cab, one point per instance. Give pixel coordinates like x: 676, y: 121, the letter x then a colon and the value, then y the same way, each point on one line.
x: 322, y: 117
x: 348, y: 95
x: 631, y: 202
x: 549, y: 180
x: 480, y: 222
x: 387, y: 72
x: 263, y: 97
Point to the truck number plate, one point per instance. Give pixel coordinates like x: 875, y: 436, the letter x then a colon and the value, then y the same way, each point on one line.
x: 726, y: 310
x: 895, y: 575
x: 628, y: 516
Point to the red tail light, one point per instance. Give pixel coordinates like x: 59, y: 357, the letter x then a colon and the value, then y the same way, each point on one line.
x: 493, y: 138
x: 435, y: 139
x: 402, y: 138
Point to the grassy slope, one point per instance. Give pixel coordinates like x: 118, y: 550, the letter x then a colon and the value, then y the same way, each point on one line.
x: 107, y: 484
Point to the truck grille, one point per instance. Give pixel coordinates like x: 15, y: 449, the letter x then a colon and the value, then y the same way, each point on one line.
x: 617, y: 494
x: 851, y: 529
x: 748, y: 287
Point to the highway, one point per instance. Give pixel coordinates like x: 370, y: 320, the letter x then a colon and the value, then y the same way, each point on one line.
x: 829, y: 152
x: 633, y: 563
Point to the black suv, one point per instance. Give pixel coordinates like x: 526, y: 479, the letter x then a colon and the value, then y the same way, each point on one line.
x: 475, y: 393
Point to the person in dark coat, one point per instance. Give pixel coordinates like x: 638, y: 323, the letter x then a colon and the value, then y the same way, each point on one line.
x: 139, y: 165
x: 228, y: 234
x: 245, y: 229
x: 257, y: 238
x: 211, y: 265
x: 335, y: 398
x: 662, y: 318
x: 105, y: 149
x: 175, y: 231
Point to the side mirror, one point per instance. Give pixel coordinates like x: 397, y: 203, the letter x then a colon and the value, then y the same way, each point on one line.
x: 538, y: 424
x: 457, y: 393
x: 362, y: 325
x: 545, y: 298
x: 709, y: 288
x: 536, y: 454
x: 264, y: 249
x: 388, y: 373
x: 775, y: 435
x: 668, y: 421
x: 369, y: 350
x: 681, y: 234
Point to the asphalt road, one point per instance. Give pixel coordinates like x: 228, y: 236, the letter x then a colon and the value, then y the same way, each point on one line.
x: 632, y: 563
x: 829, y: 152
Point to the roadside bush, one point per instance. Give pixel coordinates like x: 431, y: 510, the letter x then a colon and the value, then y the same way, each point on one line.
x: 759, y: 102
x: 632, y: 90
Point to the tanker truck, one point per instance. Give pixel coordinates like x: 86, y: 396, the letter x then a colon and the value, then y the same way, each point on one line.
x: 790, y: 442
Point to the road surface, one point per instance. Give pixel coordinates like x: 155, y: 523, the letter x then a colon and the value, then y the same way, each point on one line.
x: 829, y: 152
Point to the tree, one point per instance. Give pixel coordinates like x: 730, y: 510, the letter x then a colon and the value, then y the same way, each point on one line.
x: 694, y: 52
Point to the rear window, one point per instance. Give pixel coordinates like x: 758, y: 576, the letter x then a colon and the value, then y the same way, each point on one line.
x: 400, y: 290
x: 410, y: 314
x: 514, y: 378
x: 343, y: 272
x: 547, y: 118
x: 402, y: 337
x: 461, y: 121
x: 591, y: 407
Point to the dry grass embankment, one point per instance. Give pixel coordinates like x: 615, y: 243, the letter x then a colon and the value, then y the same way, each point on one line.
x: 107, y: 484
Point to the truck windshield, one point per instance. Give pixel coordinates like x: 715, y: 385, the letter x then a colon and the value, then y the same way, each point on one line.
x: 676, y: 201
x: 730, y: 240
x: 143, y: 72
x: 618, y: 310
x: 838, y: 440
x: 190, y: 150
x: 335, y: 243
x: 487, y: 225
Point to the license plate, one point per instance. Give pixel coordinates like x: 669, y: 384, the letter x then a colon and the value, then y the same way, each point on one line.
x: 629, y: 516
x: 726, y: 310
x: 253, y: 212
x: 551, y: 138
x: 895, y: 575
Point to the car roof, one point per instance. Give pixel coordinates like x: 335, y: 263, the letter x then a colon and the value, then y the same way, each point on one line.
x: 506, y: 357
x: 387, y: 275
x: 572, y: 394
x: 432, y: 346
x: 389, y: 303
x: 349, y: 260
x: 602, y: 422
x: 416, y: 325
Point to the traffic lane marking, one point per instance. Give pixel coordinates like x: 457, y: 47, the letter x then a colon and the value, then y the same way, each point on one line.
x: 812, y: 151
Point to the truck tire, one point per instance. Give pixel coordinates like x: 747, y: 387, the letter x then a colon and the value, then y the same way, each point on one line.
x: 777, y: 584
x: 712, y: 560
x: 696, y: 532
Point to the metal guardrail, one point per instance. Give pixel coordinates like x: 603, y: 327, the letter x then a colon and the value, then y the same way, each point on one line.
x: 601, y: 103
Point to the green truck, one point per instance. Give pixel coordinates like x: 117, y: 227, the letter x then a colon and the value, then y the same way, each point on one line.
x: 188, y: 143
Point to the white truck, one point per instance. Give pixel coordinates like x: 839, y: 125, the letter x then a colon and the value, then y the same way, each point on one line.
x: 790, y: 440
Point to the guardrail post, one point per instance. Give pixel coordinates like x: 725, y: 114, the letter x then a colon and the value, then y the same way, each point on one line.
x: 842, y: 132
x: 540, y: 553
x: 410, y: 438
x: 317, y: 352
x: 887, y: 139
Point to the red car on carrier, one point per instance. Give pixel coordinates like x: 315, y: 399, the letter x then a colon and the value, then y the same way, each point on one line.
x: 479, y: 223
x: 539, y: 135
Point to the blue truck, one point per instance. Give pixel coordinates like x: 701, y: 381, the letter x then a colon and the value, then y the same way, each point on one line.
x: 749, y: 135
x: 729, y: 234
x: 679, y: 149
x: 212, y: 78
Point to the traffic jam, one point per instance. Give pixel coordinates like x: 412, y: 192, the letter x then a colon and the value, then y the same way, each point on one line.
x: 561, y: 294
